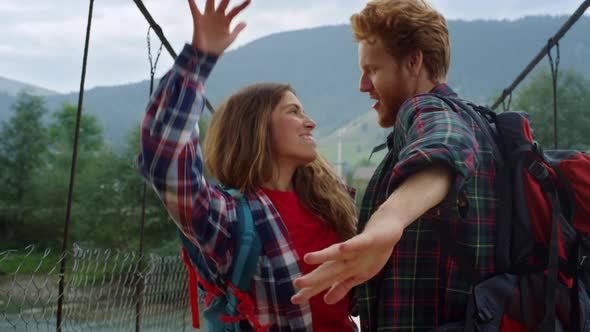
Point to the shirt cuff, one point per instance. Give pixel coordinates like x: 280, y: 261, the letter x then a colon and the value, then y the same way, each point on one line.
x: 455, y: 203
x: 195, y: 61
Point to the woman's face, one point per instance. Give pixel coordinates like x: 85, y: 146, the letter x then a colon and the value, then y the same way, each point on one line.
x: 291, y: 128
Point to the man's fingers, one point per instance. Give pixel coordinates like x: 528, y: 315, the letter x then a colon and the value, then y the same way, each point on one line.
x: 340, y: 251
x: 357, y: 244
x: 237, y: 9
x: 339, y: 290
x: 322, y: 277
x: 337, y: 280
x: 328, y: 254
x: 318, y: 280
x: 302, y: 296
x: 305, y: 293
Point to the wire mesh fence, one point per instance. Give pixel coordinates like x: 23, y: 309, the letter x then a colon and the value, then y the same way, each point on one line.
x: 105, y: 290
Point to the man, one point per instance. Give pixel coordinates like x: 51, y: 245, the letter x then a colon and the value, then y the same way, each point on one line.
x: 435, y: 182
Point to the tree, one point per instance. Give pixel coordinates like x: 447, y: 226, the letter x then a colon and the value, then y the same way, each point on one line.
x: 112, y: 188
x: 50, y: 194
x: 573, y: 120
x: 22, y: 144
x: 61, y: 137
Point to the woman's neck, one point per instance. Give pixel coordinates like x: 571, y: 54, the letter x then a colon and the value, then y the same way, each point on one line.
x: 282, y: 179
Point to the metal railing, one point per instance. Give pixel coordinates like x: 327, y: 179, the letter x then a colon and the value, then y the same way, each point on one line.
x: 100, y: 292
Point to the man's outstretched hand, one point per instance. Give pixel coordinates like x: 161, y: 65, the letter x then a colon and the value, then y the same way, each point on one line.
x: 347, y: 264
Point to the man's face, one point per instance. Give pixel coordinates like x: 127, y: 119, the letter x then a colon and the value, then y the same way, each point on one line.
x: 386, y: 79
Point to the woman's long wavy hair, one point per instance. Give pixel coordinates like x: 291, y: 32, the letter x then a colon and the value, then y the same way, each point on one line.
x: 238, y: 153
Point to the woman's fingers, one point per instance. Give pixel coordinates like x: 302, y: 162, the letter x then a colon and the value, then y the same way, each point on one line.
x: 237, y: 9
x: 222, y: 6
x: 194, y: 9
x: 210, y: 6
x: 234, y: 34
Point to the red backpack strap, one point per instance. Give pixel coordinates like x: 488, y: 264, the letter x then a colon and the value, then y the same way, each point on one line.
x: 245, y: 309
x: 210, y: 290
x: 193, y: 278
x: 193, y: 290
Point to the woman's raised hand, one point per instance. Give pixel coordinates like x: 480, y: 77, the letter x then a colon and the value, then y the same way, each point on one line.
x: 211, y: 28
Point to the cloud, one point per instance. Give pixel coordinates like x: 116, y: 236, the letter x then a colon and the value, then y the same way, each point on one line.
x: 43, y: 41
x: 503, y: 9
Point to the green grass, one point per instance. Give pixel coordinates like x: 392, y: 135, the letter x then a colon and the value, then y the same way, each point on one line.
x: 28, y: 263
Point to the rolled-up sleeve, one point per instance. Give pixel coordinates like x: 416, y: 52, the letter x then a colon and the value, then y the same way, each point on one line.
x: 433, y: 134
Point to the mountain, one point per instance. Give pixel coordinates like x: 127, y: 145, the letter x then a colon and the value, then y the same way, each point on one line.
x: 9, y: 89
x: 6, y: 101
x: 12, y: 88
x: 321, y: 64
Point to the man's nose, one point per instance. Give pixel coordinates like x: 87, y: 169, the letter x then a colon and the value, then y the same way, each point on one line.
x: 365, y: 84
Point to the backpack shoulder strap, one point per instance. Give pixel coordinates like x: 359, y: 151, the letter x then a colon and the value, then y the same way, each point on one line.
x: 482, y: 117
x: 248, y: 245
x: 246, y: 253
x: 479, y: 115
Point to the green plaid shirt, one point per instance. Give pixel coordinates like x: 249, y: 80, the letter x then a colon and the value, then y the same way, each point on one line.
x: 421, y: 287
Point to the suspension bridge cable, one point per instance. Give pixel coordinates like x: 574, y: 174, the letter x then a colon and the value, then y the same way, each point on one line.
x: 156, y: 27
x: 554, y: 40
x: 141, y: 284
x: 62, y: 269
x: 554, y: 71
x: 160, y: 33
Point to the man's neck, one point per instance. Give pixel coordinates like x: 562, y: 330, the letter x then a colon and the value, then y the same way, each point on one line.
x: 426, y: 86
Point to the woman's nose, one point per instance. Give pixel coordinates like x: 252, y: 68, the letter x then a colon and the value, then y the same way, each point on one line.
x: 309, y: 123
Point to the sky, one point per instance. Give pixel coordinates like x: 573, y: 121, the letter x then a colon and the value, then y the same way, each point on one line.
x: 43, y: 41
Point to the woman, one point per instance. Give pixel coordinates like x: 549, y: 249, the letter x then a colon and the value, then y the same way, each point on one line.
x: 260, y: 142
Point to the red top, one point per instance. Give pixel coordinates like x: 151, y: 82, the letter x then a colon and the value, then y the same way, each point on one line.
x: 309, y: 233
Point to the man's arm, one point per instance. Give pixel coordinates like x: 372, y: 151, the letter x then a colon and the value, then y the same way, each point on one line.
x: 345, y: 265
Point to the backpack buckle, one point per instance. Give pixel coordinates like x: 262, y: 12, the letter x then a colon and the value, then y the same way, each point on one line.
x: 537, y: 170
x: 484, y: 315
x: 583, y: 254
x: 584, y: 263
x: 538, y: 149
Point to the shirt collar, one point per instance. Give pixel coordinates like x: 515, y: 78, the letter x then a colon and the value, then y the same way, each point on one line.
x: 439, y: 89
x: 443, y: 89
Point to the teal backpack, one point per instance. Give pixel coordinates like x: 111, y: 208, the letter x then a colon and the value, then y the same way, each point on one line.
x: 225, y: 305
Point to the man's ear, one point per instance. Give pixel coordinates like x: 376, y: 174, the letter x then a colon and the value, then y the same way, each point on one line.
x: 414, y: 62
